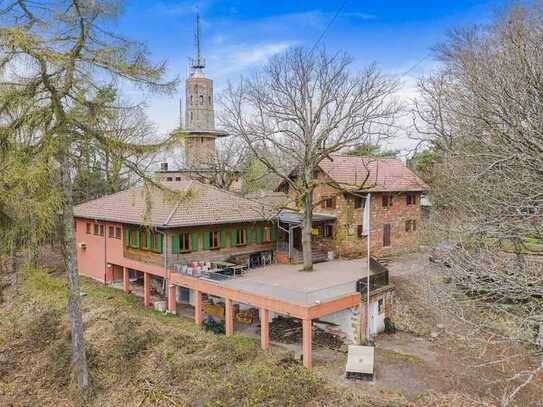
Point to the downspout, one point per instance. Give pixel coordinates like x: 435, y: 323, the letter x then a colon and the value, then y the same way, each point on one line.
x: 368, y: 200
x: 164, y: 261
x: 105, y: 255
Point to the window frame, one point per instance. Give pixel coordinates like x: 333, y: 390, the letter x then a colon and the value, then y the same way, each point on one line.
x: 325, y: 228
x: 328, y: 202
x: 212, y: 235
x: 411, y: 198
x: 111, y: 232
x: 387, y: 200
x: 118, y: 232
x: 89, y: 228
x: 241, y: 237
x: 182, y: 248
x: 266, y: 234
x: 358, y: 202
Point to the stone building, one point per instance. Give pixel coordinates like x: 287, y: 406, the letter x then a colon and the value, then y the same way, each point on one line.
x: 346, y: 184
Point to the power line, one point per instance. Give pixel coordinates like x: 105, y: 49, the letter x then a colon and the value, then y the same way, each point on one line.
x: 339, y: 10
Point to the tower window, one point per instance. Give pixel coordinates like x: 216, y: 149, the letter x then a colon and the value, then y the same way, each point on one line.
x: 201, y: 99
x: 190, y: 116
x: 209, y: 99
x: 191, y: 99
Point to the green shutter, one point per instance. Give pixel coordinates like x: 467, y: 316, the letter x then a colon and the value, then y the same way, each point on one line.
x: 273, y: 233
x: 159, y: 242
x: 249, y: 235
x: 206, y: 240
x: 138, y: 238
x: 223, y: 238
x: 259, y: 234
x: 234, y: 237
x: 148, y: 243
x: 126, y: 236
x: 194, y: 237
x: 175, y: 243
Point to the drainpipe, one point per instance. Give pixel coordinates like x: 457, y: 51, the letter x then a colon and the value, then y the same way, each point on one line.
x: 368, y: 200
x: 164, y: 262
x: 105, y: 254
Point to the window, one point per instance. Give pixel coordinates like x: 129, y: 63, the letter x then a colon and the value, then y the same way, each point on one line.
x: 143, y: 239
x: 184, y: 243
x: 381, y: 306
x: 191, y: 103
x: 201, y: 99
x: 88, y: 228
x: 209, y: 99
x: 101, y: 228
x: 111, y: 232
x: 329, y: 203
x: 169, y: 179
x: 358, y: 202
x: 214, y: 240
x: 410, y: 225
x: 386, y: 235
x: 387, y: 200
x: 155, y: 245
x: 190, y: 116
x: 134, y: 238
x: 327, y: 231
x: 411, y: 199
x: 359, y: 231
x: 118, y: 232
x: 178, y: 178
x: 241, y: 237
x: 267, y: 234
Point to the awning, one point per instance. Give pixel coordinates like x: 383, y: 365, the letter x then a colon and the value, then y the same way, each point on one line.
x: 295, y: 218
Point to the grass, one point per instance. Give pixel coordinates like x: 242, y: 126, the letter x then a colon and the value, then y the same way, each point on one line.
x: 138, y: 356
x: 531, y: 245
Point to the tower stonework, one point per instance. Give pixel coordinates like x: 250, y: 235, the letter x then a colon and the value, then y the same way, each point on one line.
x: 200, y: 132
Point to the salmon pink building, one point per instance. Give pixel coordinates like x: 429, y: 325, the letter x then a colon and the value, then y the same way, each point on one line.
x: 181, y: 243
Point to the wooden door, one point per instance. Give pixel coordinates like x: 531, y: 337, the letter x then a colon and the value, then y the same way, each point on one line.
x: 386, y: 235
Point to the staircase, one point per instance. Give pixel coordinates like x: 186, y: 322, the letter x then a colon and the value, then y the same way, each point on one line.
x: 298, y: 258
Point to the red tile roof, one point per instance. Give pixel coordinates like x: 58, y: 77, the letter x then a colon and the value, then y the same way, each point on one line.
x: 373, y: 174
x: 190, y: 203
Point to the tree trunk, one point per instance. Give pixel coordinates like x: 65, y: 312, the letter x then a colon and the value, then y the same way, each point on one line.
x: 307, y: 228
x: 79, y: 356
x: 13, y: 255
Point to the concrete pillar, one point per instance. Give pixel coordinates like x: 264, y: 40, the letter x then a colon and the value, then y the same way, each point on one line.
x: 198, y: 307
x: 172, y: 300
x: 146, y: 289
x: 126, y: 282
x: 307, y: 338
x: 229, y: 316
x: 265, y: 329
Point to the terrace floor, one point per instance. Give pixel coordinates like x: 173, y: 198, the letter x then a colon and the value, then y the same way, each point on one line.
x: 287, y: 283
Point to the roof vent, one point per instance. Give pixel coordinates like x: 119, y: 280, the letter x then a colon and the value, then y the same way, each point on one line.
x: 163, y: 166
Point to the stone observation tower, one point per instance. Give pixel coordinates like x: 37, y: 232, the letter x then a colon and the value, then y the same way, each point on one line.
x: 200, y: 132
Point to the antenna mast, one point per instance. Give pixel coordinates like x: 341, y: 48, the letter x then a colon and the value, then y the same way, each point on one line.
x: 197, y: 63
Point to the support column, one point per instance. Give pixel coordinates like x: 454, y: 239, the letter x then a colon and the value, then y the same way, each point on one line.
x: 126, y: 282
x: 229, y: 317
x: 265, y: 329
x: 172, y: 300
x: 307, y: 338
x: 198, y: 307
x: 146, y: 289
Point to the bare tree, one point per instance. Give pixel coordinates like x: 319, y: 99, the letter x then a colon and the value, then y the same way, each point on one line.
x: 301, y: 108
x: 483, y: 115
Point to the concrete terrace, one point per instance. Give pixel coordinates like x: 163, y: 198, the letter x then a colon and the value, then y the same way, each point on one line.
x: 285, y: 282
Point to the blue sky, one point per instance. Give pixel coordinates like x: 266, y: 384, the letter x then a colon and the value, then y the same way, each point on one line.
x: 239, y: 36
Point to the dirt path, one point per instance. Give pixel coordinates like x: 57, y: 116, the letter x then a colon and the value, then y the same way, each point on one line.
x: 426, y: 354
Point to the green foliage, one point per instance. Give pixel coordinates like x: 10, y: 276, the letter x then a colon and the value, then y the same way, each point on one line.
x: 372, y: 150
x: 423, y: 163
